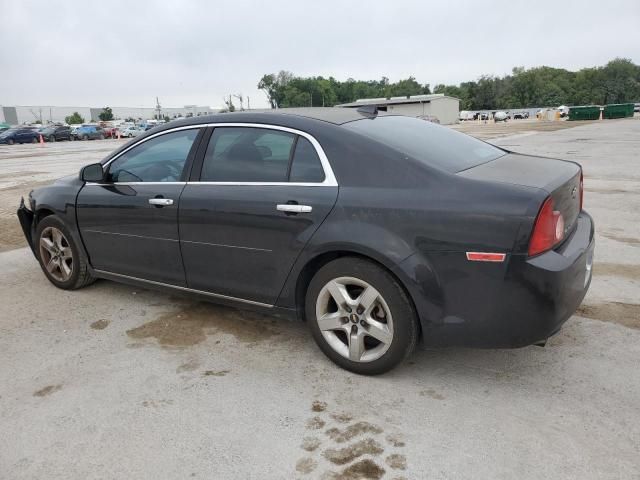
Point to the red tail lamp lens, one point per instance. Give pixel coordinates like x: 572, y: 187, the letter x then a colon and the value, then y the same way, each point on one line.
x: 548, y: 229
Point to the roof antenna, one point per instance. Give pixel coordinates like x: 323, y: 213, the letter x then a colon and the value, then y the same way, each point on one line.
x: 369, y: 110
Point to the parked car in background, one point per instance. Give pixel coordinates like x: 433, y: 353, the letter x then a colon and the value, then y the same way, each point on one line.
x: 55, y: 133
x: 130, y: 132
x: 375, y: 229
x: 500, y: 117
x: 110, y: 132
x: 20, y: 135
x: 4, y: 127
x: 636, y: 107
x: 89, y: 132
x: 520, y: 115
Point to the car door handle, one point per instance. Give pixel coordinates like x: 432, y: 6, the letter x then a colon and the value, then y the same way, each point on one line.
x: 289, y: 208
x: 161, y: 202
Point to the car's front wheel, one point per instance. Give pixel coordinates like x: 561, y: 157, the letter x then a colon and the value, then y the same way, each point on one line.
x: 52, y: 138
x: 61, y: 260
x: 360, y: 316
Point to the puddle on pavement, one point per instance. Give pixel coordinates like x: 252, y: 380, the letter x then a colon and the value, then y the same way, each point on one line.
x: 626, y: 314
x: 617, y: 270
x: 191, y: 325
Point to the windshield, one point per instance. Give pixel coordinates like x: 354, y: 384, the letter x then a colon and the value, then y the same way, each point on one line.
x: 437, y: 146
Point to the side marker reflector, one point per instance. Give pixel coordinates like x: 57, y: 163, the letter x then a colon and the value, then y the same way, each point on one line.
x: 486, y: 257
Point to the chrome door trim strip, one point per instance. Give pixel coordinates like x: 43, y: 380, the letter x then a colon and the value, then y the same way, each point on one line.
x: 185, y: 289
x: 329, y: 176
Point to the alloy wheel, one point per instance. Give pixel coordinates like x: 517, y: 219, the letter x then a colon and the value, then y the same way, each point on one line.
x: 354, y: 319
x: 56, y: 254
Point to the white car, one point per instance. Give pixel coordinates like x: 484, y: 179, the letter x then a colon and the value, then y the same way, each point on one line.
x: 131, y: 132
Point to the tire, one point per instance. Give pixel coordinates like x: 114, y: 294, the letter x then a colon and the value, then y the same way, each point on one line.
x: 52, y: 138
x: 34, y: 140
x: 11, y: 141
x: 101, y: 137
x: 347, y: 335
x: 85, y: 137
x: 53, y: 251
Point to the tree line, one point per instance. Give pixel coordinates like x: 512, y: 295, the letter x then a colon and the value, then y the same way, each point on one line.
x: 616, y: 82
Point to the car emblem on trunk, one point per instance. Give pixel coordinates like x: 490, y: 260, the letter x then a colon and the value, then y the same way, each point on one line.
x: 574, y: 190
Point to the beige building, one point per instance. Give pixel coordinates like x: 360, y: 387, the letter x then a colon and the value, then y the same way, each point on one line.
x: 446, y: 109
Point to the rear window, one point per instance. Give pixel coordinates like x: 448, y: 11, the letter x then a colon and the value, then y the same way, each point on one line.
x: 437, y: 146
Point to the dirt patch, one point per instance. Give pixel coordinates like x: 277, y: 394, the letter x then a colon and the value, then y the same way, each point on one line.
x: 617, y: 270
x: 626, y: 314
x: 348, y: 454
x: 191, y: 325
x: 618, y: 238
x: 157, y: 403
x: 315, y: 423
x: 213, y: 373
x: 48, y: 390
x: 190, y: 366
x: 397, y: 461
x: 363, y: 470
x: 100, y: 324
x: 310, y: 443
x: 11, y: 236
x: 342, y: 417
x: 396, y: 440
x: 432, y: 394
x: 319, y: 406
x: 359, y: 428
x: 306, y: 465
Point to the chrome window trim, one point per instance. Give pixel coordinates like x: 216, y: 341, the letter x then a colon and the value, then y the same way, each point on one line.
x: 185, y: 289
x: 329, y: 176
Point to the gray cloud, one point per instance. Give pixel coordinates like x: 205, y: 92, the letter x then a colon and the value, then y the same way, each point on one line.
x: 124, y: 53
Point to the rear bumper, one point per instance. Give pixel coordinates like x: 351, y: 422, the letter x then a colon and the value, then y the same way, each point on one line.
x: 503, y: 305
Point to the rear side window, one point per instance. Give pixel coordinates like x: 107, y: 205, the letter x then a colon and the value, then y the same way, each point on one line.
x: 434, y: 145
x: 244, y: 154
x: 306, y: 166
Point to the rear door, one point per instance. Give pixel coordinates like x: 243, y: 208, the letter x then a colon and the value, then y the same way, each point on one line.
x: 129, y: 223
x: 261, y: 194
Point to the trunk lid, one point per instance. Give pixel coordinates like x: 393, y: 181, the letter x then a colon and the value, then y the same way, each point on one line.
x: 559, y: 178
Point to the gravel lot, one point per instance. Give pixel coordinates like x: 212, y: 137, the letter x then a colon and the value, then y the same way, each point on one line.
x: 117, y: 382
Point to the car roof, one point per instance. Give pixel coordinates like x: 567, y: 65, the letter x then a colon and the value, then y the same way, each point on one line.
x: 334, y: 115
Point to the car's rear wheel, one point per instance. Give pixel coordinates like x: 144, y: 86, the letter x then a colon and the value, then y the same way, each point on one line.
x: 11, y: 141
x: 101, y: 137
x: 61, y: 260
x: 360, y: 317
x: 34, y: 140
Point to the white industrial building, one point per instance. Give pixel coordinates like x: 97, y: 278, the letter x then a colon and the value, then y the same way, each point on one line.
x: 21, y: 114
x: 446, y: 109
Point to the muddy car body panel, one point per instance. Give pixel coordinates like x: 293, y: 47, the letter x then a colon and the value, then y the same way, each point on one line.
x: 257, y: 244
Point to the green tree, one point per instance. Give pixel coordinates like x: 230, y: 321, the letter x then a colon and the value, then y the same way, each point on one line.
x: 74, y: 119
x: 106, y: 114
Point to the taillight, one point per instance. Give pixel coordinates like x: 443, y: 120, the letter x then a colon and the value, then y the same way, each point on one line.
x: 581, y: 190
x: 548, y: 229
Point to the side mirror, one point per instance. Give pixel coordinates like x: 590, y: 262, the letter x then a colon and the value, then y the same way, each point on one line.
x: 92, y: 173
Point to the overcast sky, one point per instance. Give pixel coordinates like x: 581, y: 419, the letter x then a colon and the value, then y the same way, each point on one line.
x: 124, y: 53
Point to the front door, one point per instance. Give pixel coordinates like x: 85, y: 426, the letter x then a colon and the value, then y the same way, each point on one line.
x: 261, y: 195
x: 129, y: 223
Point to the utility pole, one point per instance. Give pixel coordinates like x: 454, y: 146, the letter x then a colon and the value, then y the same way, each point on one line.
x: 310, y: 99
x: 241, y: 98
x: 248, y: 103
x: 158, y: 109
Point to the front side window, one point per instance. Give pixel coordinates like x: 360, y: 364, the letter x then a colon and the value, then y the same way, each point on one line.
x: 160, y: 159
x: 245, y: 154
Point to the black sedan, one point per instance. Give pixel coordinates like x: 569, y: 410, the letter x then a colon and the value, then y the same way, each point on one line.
x: 377, y: 230
x: 55, y: 133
